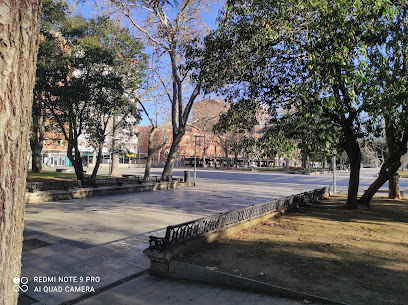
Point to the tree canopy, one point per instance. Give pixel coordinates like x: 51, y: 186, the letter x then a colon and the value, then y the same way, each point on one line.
x: 94, y: 68
x: 308, y: 57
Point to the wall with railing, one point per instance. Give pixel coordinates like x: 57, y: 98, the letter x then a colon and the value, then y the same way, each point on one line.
x: 180, y: 233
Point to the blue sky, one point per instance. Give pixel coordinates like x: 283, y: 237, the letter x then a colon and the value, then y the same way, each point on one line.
x: 208, y: 17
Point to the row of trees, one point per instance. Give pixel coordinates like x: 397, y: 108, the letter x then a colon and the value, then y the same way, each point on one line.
x: 90, y: 71
x: 338, y: 70
x: 339, y: 67
x: 333, y: 76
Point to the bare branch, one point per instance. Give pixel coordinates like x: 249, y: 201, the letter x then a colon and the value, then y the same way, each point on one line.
x: 135, y: 24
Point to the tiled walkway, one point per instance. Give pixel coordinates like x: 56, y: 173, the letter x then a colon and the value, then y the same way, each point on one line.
x: 103, y: 238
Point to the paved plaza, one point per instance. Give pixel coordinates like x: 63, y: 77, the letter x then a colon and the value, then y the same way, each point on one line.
x: 103, y: 237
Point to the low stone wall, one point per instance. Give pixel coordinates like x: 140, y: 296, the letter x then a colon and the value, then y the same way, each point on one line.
x: 318, y: 172
x: 185, y: 236
x: 55, y: 195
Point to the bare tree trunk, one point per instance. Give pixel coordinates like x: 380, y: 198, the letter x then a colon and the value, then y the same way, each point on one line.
x: 98, y: 161
x: 148, y: 164
x: 36, y: 149
x: 75, y: 159
x: 36, y: 162
x: 397, y: 147
x: 304, y: 161
x: 115, y: 147
x: 36, y: 144
x: 19, y: 45
x: 150, y: 152
x: 225, y: 148
x: 204, y: 152
x: 388, y: 169
x: 393, y: 187
x: 168, y: 167
x: 354, y: 153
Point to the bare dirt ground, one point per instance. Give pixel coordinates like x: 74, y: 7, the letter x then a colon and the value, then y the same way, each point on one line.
x: 355, y: 257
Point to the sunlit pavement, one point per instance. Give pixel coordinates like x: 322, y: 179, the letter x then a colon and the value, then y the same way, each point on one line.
x: 104, y: 236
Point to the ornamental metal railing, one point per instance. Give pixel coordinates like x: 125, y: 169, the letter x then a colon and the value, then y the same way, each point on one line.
x: 180, y: 233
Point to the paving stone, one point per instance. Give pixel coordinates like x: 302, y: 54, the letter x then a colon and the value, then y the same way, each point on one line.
x: 105, y: 236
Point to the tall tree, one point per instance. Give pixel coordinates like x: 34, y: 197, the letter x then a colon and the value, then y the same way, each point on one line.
x: 388, y: 60
x: 49, y: 73
x: 306, y: 54
x: 20, y: 22
x: 233, y: 128
x: 315, y: 135
x: 154, y: 89
x: 105, y: 66
x: 170, y: 27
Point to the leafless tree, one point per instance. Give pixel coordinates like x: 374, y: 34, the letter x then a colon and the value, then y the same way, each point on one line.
x: 170, y: 27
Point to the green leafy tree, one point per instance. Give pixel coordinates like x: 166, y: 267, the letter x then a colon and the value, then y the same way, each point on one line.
x: 51, y: 70
x: 234, y: 127
x: 274, y: 142
x: 302, y: 54
x: 104, y: 64
x: 388, y: 60
x: 314, y: 135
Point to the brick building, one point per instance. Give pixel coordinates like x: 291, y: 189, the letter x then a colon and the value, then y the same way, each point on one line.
x: 205, y: 114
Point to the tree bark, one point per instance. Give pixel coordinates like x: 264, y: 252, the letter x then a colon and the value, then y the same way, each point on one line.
x: 225, y: 148
x: 115, y: 148
x: 353, y: 151
x: 36, y: 144
x: 150, y: 153
x: 168, y: 167
x: 204, y: 152
x: 148, y: 164
x: 98, y: 161
x: 386, y: 172
x: 19, y: 28
x: 393, y: 187
x: 396, y: 147
x: 304, y: 161
x: 75, y: 158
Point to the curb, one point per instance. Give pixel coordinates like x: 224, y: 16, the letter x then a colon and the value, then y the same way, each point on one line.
x: 183, y: 271
x: 45, y: 196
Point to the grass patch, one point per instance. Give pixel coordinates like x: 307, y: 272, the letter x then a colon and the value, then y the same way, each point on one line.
x: 54, y: 176
x: 356, y: 257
